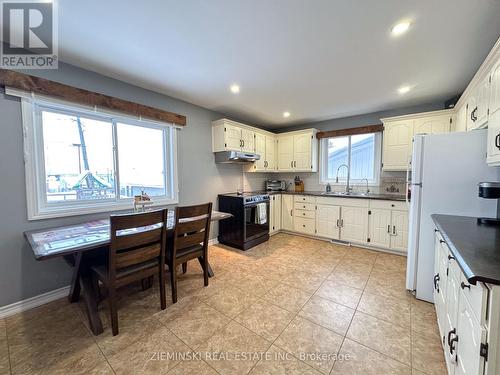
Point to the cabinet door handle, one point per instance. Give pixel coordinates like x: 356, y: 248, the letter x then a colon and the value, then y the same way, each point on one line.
x: 243, y: 143
x: 338, y: 223
x: 452, y: 332
x: 394, y: 230
x: 291, y: 212
x: 450, y: 257
x: 464, y: 285
x: 436, y: 283
x: 452, y: 344
x: 389, y: 229
x: 291, y: 164
x: 497, y: 141
x: 295, y: 163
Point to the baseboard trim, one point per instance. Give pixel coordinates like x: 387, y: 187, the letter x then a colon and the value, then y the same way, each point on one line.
x: 31, y: 303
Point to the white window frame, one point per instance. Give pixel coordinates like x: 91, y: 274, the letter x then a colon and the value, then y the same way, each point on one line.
x: 34, y: 161
x: 323, y: 170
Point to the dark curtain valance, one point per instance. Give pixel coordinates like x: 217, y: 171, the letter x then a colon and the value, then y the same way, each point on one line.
x: 350, y: 131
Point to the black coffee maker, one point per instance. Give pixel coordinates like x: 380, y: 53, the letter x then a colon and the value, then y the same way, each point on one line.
x: 490, y: 190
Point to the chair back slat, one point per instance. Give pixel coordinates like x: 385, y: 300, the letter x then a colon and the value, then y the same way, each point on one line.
x: 136, y: 238
x: 192, y: 226
x: 192, y: 211
x: 130, y: 221
x: 140, y: 255
x: 189, y: 240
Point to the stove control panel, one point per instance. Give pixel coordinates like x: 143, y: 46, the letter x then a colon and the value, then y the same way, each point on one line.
x: 257, y: 199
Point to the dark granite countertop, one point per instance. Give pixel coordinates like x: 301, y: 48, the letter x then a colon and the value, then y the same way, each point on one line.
x: 476, y: 247
x: 389, y: 197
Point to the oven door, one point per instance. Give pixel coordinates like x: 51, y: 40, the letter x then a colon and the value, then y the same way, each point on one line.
x: 255, y: 227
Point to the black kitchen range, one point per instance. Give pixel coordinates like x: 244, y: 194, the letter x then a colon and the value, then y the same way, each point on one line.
x: 249, y: 225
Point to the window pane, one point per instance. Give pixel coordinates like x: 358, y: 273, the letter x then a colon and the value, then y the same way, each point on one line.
x: 362, y: 156
x: 78, y: 158
x: 337, y: 155
x: 141, y: 160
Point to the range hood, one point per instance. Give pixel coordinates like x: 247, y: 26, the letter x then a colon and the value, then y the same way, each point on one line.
x: 235, y: 157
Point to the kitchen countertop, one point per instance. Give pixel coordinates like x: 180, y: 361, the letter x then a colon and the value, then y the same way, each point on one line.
x: 389, y: 197
x: 476, y: 247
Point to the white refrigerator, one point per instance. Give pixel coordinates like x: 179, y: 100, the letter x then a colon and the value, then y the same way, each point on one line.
x: 445, y: 171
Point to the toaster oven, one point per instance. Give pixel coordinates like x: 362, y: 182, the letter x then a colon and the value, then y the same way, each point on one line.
x: 275, y: 185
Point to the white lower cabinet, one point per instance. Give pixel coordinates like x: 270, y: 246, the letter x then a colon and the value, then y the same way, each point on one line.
x: 380, y: 227
x: 388, y: 228
x: 275, y: 214
x: 354, y: 224
x: 328, y: 221
x: 287, y: 212
x: 467, y: 316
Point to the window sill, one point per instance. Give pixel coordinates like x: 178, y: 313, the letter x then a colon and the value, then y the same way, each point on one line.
x: 80, y: 210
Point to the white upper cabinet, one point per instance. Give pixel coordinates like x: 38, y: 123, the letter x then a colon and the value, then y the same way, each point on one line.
x: 460, y: 123
x: 483, y: 102
x: 397, y: 144
x: 298, y: 151
x: 285, y: 152
x: 433, y: 125
x: 295, y: 151
x: 265, y: 146
x: 494, y: 118
x: 271, y: 149
x: 399, y: 132
x: 230, y: 135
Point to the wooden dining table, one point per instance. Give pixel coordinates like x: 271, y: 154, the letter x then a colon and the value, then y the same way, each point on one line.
x: 83, y: 245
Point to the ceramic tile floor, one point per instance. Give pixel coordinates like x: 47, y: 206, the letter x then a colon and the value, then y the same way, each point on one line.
x: 292, y: 305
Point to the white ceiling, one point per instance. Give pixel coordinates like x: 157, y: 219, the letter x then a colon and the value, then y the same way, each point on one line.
x: 318, y: 59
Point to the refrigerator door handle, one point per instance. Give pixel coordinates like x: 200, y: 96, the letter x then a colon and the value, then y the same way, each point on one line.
x: 408, y: 182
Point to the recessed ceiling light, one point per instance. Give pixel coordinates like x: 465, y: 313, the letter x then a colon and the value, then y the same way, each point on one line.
x: 286, y: 114
x: 404, y: 89
x: 235, y: 89
x: 400, y: 28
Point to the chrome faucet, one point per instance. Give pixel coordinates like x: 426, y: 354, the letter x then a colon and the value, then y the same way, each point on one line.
x: 367, y: 189
x: 347, y: 188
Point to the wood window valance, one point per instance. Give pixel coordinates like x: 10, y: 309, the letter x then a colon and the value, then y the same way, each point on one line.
x: 9, y: 78
x: 350, y: 131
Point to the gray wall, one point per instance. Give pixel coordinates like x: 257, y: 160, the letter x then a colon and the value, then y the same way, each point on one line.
x: 200, y: 179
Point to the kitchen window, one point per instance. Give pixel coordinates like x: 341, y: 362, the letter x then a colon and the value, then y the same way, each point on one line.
x: 360, y: 153
x: 80, y: 160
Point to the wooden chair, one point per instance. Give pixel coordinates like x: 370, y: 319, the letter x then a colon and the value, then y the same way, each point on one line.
x: 190, y: 241
x: 134, y: 255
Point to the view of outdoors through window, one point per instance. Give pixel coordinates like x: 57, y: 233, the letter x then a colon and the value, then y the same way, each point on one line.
x: 362, y: 151
x: 79, y: 159
x: 141, y: 160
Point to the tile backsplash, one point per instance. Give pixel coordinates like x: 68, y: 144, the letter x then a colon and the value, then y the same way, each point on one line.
x: 390, y: 182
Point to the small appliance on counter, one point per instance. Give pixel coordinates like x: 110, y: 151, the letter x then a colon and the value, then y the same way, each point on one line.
x: 299, y: 184
x: 490, y: 190
x: 275, y: 185
x: 249, y: 225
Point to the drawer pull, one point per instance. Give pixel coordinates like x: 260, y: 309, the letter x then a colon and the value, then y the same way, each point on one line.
x: 304, y: 225
x: 442, y: 241
x: 451, y: 257
x: 303, y: 213
x: 464, y: 285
